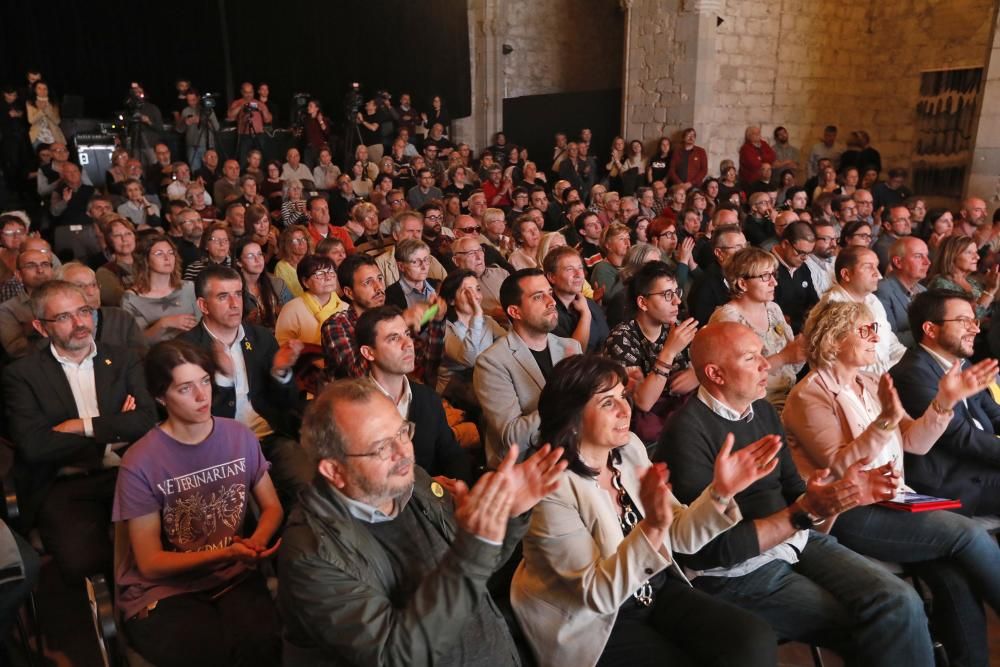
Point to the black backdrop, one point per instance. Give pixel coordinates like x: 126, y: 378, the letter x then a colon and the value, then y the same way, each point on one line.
x: 95, y: 48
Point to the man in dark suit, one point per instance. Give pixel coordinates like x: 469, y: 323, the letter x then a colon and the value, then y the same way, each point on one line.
x: 795, y: 292
x: 965, y: 462
x: 69, y: 408
x: 384, y: 339
x: 413, y: 257
x: 253, y: 379
x: 710, y: 289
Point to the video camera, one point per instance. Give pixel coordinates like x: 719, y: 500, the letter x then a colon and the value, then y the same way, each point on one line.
x: 209, y: 100
x: 353, y: 101
x: 250, y: 107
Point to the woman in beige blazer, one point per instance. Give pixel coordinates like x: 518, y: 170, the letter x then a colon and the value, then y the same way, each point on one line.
x: 598, y: 584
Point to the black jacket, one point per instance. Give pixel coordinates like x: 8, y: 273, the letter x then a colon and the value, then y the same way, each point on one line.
x: 964, y: 455
x: 394, y: 295
x: 708, y: 292
x: 795, y: 294
x: 434, y: 446
x: 274, y: 401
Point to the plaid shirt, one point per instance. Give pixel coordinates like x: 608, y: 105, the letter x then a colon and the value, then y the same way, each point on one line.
x: 343, y: 360
x: 10, y: 288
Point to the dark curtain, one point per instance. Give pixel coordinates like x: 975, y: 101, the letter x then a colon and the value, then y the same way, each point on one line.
x: 95, y: 48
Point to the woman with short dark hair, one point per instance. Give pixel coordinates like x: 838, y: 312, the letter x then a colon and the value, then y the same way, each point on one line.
x: 598, y: 583
x: 182, y: 497
x: 302, y: 317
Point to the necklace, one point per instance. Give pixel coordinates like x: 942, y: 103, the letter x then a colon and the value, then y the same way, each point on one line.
x: 629, y: 519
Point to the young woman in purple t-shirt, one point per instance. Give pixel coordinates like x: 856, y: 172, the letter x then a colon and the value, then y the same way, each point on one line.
x: 188, y: 588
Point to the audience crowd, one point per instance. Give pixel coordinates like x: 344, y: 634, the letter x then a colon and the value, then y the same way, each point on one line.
x: 435, y: 393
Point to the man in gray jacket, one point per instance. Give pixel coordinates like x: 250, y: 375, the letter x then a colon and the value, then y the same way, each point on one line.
x: 383, y: 565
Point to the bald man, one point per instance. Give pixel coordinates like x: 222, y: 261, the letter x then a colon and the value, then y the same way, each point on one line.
x: 112, y: 326
x: 776, y: 562
x: 972, y: 219
x: 17, y: 335
x: 909, y: 261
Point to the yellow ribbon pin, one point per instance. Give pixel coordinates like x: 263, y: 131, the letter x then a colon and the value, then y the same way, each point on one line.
x: 437, y: 489
x: 248, y: 346
x: 107, y: 362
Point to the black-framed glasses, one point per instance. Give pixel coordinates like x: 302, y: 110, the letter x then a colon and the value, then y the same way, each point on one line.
x: 469, y: 230
x: 800, y: 253
x: 324, y: 273
x: 867, y: 331
x: 970, y: 323
x: 382, y: 449
x: 765, y: 277
x: 84, y: 313
x: 668, y: 294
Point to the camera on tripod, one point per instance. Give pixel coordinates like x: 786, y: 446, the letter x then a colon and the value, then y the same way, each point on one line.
x: 209, y: 100
x: 136, y: 98
x: 353, y: 101
x: 250, y: 107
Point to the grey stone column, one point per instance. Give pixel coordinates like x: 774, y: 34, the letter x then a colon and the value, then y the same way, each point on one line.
x: 984, y: 176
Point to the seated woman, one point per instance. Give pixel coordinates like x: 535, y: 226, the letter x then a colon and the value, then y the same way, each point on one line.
x: 468, y: 333
x: 527, y: 235
x: 182, y: 496
x: 272, y: 189
x: 751, y: 274
x: 856, y: 233
x: 260, y: 229
x: 263, y: 293
x: 163, y: 305
x: 332, y: 248
x: 598, y: 583
x: 216, y: 242
x: 615, y: 244
x: 138, y: 208
x: 294, y: 244
x: 840, y: 419
x: 293, y: 205
x: 116, y: 276
x: 302, y: 317
x: 956, y: 260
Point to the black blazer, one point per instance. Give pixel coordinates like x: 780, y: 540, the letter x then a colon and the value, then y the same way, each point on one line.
x: 795, y: 294
x: 37, y: 397
x: 708, y: 292
x: 274, y: 401
x: 434, y: 444
x: 964, y: 454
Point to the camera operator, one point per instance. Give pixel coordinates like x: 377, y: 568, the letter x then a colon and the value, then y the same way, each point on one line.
x: 150, y: 123
x: 389, y: 120
x: 369, y: 124
x: 198, y: 123
x: 250, y: 115
x: 264, y: 97
x: 317, y: 132
x: 180, y: 101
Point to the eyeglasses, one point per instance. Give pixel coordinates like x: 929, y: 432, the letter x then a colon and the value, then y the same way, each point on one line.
x: 970, y: 323
x: 382, y: 449
x: 469, y: 230
x: 434, y: 218
x: 861, y: 236
x: 667, y: 235
x: 668, y: 294
x: 84, y: 313
x: 221, y: 241
x: 253, y: 255
x: 799, y: 253
x: 765, y: 277
x: 425, y: 261
x: 38, y: 266
x: 867, y: 331
x: 14, y: 232
x: 324, y: 273
x: 735, y: 248
x: 160, y: 254
x: 828, y: 239
x: 475, y: 251
x: 295, y: 241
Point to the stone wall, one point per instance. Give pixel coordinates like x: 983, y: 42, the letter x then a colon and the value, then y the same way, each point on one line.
x: 795, y: 63
x: 560, y: 46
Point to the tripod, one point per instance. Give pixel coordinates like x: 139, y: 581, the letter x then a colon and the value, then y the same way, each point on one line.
x: 349, y: 141
x: 204, y: 142
x: 247, y: 139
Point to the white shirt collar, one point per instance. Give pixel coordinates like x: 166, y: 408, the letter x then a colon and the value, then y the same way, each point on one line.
x: 403, y: 404
x: 723, y: 410
x: 942, y: 362
x: 240, y: 335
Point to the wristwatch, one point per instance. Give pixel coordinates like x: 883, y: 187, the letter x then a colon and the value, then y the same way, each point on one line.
x: 803, y: 520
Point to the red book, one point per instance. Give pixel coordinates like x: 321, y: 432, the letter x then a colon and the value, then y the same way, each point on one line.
x: 907, y: 501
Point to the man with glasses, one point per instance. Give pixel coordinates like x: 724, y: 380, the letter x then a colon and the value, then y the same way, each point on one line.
x: 413, y: 260
x: 385, y: 340
x: 253, y: 379
x: 759, y: 225
x: 865, y: 206
x: 710, y: 290
x: 857, y: 277
x: 112, y: 325
x: 909, y: 261
x: 382, y: 563
x: 407, y: 225
x: 17, y: 335
x: 69, y: 408
x: 580, y: 318
x: 50, y: 175
x: 467, y: 253
x: 466, y: 226
x: 895, y: 225
x: 653, y: 348
x: 424, y: 191
x: 965, y: 461
x: 821, y: 260
x: 795, y: 292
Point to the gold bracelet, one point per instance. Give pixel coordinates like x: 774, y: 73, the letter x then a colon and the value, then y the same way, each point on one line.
x: 940, y: 410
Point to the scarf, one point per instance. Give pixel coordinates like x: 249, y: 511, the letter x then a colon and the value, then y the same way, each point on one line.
x: 322, y: 313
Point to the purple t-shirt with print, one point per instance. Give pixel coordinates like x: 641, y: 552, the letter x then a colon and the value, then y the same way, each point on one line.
x: 200, y: 492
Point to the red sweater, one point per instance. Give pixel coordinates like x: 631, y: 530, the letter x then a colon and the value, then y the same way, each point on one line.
x: 751, y: 157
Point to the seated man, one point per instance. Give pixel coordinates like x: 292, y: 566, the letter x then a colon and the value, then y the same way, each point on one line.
x: 795, y: 292
x: 710, y: 290
x: 823, y: 256
x: 385, y: 340
x: 857, y: 279
x: 364, y: 289
x: 580, y: 318
x: 413, y: 261
x: 17, y: 333
x: 908, y: 264
x: 253, y: 376
x: 509, y: 376
x: 965, y: 462
x: 112, y: 326
x: 655, y: 344
x: 773, y: 563
x: 74, y: 229
x: 379, y: 563
x: 467, y: 253
x: 895, y: 225
x: 68, y: 407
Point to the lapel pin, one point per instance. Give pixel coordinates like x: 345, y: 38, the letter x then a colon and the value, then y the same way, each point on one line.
x: 437, y: 489
x: 248, y: 346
